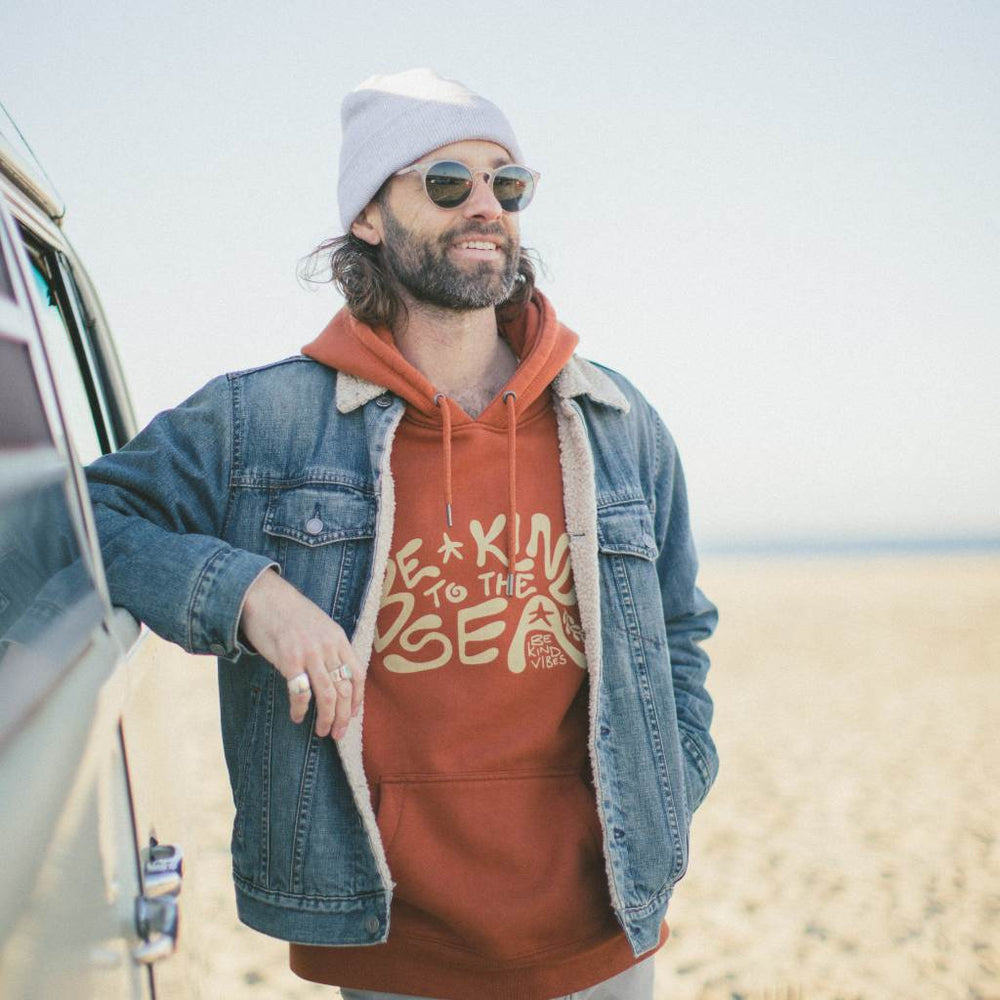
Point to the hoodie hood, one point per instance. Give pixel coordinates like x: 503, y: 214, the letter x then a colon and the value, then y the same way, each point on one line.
x: 542, y: 344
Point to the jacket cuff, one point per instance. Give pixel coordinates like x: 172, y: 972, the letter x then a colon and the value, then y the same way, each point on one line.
x: 218, y: 598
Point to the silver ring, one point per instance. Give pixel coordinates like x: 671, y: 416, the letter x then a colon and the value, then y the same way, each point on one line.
x: 299, y: 684
x: 341, y: 673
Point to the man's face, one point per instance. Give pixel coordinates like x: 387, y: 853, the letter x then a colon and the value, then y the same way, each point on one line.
x: 462, y: 258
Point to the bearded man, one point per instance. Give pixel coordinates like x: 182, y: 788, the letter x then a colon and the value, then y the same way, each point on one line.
x: 445, y: 540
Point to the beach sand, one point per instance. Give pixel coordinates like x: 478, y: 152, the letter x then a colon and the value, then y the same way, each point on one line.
x: 848, y: 850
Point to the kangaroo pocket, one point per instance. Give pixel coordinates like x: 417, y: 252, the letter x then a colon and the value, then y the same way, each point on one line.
x: 505, y: 865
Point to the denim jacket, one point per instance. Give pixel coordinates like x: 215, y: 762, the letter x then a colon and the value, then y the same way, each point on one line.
x: 214, y: 492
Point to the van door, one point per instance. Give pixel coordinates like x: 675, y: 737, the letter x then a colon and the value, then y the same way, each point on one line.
x: 166, y: 690
x: 70, y: 875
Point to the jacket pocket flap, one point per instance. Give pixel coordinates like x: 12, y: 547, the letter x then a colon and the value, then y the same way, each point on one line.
x: 626, y: 529
x: 319, y: 514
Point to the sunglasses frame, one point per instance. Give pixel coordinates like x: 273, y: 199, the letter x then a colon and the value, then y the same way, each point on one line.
x: 488, y: 176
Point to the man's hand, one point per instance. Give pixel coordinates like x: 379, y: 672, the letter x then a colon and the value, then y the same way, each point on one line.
x: 287, y: 629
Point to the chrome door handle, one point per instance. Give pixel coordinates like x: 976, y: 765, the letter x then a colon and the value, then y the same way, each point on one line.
x: 163, y: 871
x: 157, y: 922
x: 157, y: 918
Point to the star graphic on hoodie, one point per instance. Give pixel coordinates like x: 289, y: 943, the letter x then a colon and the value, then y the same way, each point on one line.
x: 540, y: 615
x: 449, y: 548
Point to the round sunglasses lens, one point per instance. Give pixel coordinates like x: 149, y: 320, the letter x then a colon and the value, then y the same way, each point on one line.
x: 513, y: 187
x: 448, y: 183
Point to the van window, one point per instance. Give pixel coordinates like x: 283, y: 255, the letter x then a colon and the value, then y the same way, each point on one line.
x: 48, y: 601
x: 77, y: 392
x: 23, y: 422
x: 49, y: 604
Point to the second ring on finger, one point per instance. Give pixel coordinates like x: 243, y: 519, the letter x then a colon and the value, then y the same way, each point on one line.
x: 340, y: 673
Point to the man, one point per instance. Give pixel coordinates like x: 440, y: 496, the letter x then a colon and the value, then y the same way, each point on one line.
x: 463, y: 553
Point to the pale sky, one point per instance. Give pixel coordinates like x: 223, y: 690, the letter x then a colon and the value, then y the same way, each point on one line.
x: 781, y: 220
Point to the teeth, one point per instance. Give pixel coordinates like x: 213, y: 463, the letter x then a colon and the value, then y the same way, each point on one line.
x: 479, y: 245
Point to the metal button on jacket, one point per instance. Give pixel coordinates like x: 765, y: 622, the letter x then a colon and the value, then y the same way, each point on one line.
x: 314, y: 526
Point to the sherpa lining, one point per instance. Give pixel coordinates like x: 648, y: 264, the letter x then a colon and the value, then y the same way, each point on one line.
x: 350, y: 747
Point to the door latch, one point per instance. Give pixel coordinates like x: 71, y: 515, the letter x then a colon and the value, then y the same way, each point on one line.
x: 157, y: 918
x: 163, y: 871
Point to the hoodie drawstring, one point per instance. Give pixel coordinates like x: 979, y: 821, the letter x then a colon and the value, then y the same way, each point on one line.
x: 510, y: 399
x: 441, y: 402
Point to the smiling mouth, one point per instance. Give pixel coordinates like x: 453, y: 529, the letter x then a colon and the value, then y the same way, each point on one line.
x: 478, y: 245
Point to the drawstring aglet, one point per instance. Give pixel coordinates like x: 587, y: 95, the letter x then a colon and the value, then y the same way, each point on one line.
x: 441, y: 401
x: 510, y: 584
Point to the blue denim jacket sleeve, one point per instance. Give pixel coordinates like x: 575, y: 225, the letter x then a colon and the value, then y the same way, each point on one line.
x: 690, y: 619
x: 160, y: 505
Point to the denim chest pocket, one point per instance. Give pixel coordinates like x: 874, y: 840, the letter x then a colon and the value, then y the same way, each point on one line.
x: 319, y: 514
x: 629, y: 582
x: 322, y: 537
x: 626, y: 529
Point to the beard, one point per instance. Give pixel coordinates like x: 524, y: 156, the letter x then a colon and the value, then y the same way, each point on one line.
x: 421, y: 266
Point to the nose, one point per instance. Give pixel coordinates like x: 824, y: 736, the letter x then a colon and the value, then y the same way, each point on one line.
x: 482, y: 202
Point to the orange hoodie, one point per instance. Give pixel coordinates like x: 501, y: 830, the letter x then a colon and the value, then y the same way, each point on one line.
x: 475, y: 724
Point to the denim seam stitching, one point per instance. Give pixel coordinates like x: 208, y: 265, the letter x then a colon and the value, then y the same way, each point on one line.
x: 303, y: 814
x: 649, y: 707
x: 244, y: 758
x: 265, y: 800
x: 247, y: 883
x: 320, y: 479
x: 346, y: 564
x: 235, y: 451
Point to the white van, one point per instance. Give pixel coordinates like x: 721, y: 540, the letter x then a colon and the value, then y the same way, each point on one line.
x: 91, y: 765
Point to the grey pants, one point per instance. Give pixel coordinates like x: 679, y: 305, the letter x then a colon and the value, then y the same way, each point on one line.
x: 632, y: 984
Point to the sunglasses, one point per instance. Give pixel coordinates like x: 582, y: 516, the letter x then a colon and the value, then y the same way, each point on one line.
x: 449, y: 183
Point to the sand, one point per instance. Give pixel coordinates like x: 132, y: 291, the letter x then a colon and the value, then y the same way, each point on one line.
x: 848, y: 850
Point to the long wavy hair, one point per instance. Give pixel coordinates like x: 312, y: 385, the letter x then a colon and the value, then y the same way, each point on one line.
x: 355, y: 268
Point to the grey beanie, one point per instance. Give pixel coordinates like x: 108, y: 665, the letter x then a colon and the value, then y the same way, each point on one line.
x: 389, y: 122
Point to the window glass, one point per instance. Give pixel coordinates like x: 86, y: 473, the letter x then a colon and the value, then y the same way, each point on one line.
x: 48, y: 603
x: 75, y: 399
x: 22, y: 417
x: 37, y: 543
x: 111, y: 427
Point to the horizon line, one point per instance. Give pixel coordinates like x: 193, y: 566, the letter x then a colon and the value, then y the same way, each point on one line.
x: 836, y: 545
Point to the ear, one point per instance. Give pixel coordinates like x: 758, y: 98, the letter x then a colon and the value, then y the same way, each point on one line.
x: 368, y: 225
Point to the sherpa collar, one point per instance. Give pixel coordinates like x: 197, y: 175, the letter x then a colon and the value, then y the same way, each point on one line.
x: 578, y: 377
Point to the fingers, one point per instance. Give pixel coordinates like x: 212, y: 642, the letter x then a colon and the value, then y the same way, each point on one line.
x: 326, y: 696
x: 357, y: 681
x: 342, y: 716
x: 312, y: 653
x: 348, y: 681
x: 353, y: 691
x: 299, y: 694
x: 338, y: 684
